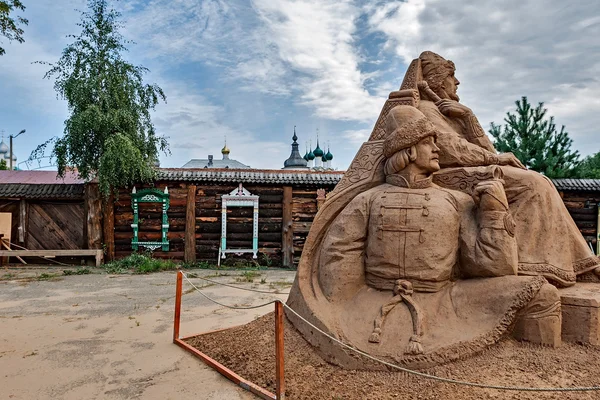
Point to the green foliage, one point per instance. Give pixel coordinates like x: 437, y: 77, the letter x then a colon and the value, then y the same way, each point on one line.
x: 589, y: 167
x: 109, y: 133
x: 3, y: 166
x: 248, y: 276
x: 533, y: 139
x: 78, y: 271
x: 9, y: 26
x: 139, y: 263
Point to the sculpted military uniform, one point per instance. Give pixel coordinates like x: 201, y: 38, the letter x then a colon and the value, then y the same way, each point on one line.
x: 414, y: 273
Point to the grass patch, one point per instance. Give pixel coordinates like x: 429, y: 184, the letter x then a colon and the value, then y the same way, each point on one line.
x: 7, y: 277
x: 78, y: 271
x: 139, y: 263
x: 248, y: 276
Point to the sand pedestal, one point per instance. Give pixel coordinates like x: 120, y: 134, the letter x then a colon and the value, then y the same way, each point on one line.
x: 581, y: 313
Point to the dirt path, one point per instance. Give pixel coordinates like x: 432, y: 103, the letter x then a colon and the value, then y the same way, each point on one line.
x: 110, y: 336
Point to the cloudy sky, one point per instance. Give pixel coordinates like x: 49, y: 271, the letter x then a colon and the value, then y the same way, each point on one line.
x: 252, y: 69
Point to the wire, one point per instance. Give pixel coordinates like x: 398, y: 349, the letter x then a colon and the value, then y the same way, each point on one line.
x: 225, y: 305
x: 437, y: 378
x: 362, y: 353
x: 239, y: 287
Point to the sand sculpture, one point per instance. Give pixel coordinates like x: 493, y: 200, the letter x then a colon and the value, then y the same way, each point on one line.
x: 433, y: 247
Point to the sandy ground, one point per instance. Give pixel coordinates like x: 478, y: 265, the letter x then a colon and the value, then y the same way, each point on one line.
x: 308, y: 377
x: 110, y: 336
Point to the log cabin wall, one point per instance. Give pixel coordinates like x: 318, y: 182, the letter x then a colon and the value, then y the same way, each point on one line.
x: 207, y: 187
x: 287, y: 206
x: 583, y: 208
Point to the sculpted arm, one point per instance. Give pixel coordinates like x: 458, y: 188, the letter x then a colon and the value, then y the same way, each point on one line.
x: 488, y: 245
x: 341, y: 263
x: 455, y: 150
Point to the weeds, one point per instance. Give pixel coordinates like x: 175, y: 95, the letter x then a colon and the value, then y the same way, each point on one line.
x: 78, y: 271
x: 247, y: 276
x: 139, y: 263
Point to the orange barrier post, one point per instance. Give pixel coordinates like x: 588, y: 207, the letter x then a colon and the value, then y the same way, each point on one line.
x: 177, y: 319
x: 220, y: 368
x: 279, y: 361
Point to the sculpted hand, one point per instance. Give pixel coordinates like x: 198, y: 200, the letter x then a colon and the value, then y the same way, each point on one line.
x: 490, y: 196
x: 454, y: 109
x: 510, y: 160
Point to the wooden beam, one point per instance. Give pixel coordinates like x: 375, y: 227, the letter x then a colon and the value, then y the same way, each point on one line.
x: 109, y: 227
x: 226, y: 372
x: 22, y: 220
x: 287, y: 231
x: 177, y: 319
x: 92, y: 215
x: 190, y: 225
x: 97, y: 253
x: 279, y: 351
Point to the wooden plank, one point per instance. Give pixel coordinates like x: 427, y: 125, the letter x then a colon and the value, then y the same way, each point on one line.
x: 54, y: 225
x: 177, y: 318
x: 279, y: 352
x: 287, y: 229
x: 226, y: 372
x: 22, y: 220
x: 190, y: 226
x: 93, y: 216
x: 96, y: 253
x: 109, y: 227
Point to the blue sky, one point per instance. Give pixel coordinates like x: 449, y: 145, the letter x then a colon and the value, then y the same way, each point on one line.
x: 252, y: 69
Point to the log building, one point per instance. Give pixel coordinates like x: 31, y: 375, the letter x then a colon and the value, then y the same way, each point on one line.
x: 50, y: 214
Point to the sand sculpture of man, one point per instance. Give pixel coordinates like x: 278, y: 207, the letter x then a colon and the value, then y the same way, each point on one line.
x: 549, y: 242
x: 412, y: 272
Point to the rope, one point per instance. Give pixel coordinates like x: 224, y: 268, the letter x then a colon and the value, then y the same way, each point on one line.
x: 241, y: 288
x: 437, y: 378
x: 366, y: 355
x: 225, y: 305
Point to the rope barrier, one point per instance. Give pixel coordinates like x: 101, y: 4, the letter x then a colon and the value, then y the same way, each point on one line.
x: 437, y: 378
x: 225, y: 305
x: 397, y: 367
x: 241, y: 288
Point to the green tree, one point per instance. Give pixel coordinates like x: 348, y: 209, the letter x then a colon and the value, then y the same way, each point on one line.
x: 109, y: 133
x: 532, y: 137
x: 589, y: 167
x: 9, y: 26
x: 3, y: 166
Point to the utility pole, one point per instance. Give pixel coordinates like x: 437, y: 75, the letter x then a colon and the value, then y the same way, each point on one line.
x: 11, y: 147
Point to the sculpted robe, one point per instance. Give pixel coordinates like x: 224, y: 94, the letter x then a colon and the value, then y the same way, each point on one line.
x: 430, y: 237
x: 549, y: 243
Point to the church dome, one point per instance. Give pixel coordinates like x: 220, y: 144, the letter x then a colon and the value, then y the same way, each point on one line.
x: 311, y: 155
x: 3, y: 148
x: 328, y: 156
x: 225, y: 150
x: 317, y: 151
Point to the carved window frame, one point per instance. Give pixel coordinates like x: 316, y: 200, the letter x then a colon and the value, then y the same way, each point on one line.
x: 150, y: 196
x: 239, y: 197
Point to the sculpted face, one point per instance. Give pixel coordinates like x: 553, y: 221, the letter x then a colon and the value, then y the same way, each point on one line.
x: 428, y: 159
x: 449, y: 85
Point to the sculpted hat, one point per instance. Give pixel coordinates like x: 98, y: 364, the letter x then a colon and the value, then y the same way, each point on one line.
x: 405, y: 126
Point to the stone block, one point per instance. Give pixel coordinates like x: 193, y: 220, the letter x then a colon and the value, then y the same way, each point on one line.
x: 581, y: 313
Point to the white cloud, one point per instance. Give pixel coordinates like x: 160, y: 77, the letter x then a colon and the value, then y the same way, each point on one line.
x: 193, y: 124
x: 315, y: 39
x: 504, y: 50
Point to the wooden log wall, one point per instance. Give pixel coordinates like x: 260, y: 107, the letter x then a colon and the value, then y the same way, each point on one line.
x: 207, y: 229
x: 304, y: 209
x: 583, y: 209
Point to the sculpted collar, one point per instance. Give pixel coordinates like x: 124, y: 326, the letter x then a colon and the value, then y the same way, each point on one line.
x: 398, y: 180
